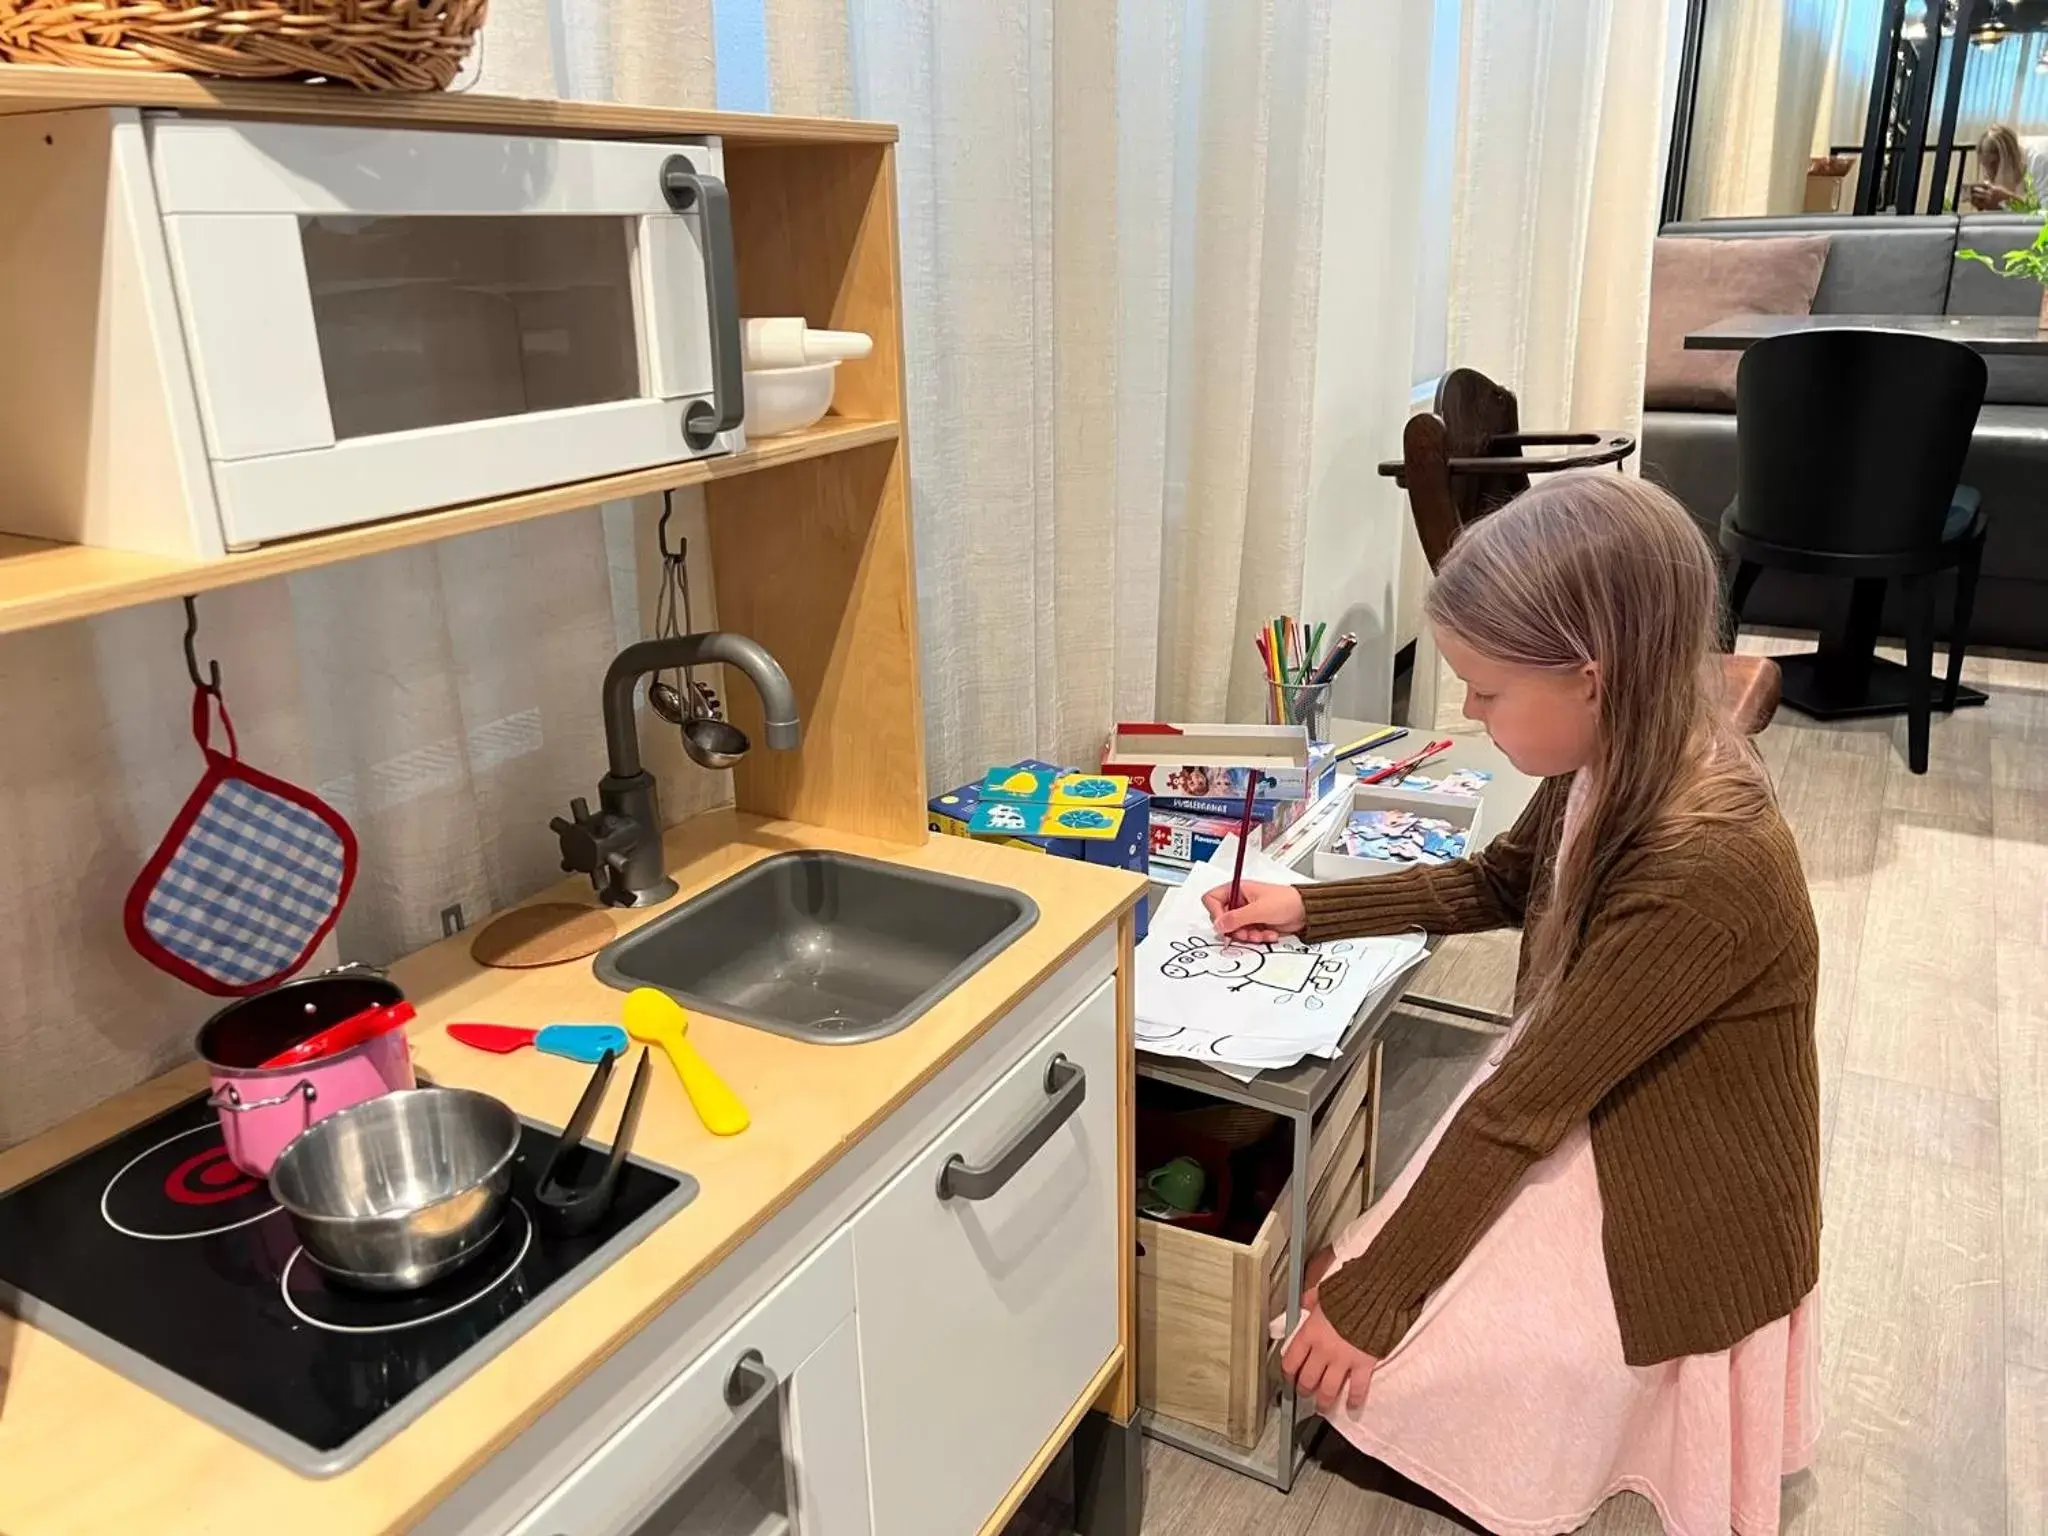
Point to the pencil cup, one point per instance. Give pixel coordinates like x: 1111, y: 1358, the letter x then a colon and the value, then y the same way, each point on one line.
x: 1300, y: 704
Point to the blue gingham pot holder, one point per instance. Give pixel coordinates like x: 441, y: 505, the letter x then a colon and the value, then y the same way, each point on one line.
x: 248, y: 880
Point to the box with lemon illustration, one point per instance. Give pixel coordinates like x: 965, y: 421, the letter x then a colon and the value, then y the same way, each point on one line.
x: 1094, y: 817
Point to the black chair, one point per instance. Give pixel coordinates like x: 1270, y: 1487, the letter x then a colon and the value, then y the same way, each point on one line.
x: 1850, y: 447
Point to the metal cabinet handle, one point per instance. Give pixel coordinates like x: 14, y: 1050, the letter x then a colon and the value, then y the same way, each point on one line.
x: 685, y: 188
x: 1066, y: 1085
x: 751, y: 1378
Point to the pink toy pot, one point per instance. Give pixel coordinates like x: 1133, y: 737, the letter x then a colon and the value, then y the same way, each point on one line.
x: 260, y: 1109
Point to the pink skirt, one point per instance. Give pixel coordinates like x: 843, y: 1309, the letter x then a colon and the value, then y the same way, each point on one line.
x: 1510, y: 1397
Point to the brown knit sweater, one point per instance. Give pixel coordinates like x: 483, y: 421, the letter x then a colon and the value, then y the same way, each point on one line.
x: 1683, y: 1031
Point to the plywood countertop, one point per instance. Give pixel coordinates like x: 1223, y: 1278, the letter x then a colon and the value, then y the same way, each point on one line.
x: 83, y: 1450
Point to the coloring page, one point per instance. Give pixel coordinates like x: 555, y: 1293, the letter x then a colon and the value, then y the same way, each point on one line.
x: 1250, y: 1006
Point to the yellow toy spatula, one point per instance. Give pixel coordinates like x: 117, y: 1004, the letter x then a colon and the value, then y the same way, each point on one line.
x: 655, y: 1018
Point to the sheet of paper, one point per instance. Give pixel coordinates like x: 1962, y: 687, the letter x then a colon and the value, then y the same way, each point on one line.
x: 1253, y: 1006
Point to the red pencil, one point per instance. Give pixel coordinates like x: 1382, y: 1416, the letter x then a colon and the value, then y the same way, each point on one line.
x: 1244, y: 836
x: 1402, y: 770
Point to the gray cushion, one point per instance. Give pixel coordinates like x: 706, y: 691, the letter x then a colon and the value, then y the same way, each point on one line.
x: 1876, y: 266
x: 1692, y: 455
x: 2008, y: 463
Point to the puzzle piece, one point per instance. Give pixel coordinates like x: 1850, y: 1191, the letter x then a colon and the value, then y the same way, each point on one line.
x: 1009, y: 818
x: 1035, y: 786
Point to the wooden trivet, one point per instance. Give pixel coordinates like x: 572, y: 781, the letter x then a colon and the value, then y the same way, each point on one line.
x: 547, y: 933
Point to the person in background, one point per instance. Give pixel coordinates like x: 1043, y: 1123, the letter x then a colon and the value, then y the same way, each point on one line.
x: 1599, y: 1271
x: 2001, y: 170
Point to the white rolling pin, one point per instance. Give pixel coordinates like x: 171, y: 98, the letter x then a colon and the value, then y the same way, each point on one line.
x: 784, y: 341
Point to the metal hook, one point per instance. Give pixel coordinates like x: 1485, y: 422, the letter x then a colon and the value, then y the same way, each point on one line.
x: 211, y: 682
x: 668, y: 505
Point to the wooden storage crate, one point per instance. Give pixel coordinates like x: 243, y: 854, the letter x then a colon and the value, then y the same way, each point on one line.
x: 1205, y: 1356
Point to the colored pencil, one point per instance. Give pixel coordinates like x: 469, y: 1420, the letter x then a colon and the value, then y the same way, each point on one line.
x: 1244, y: 837
x: 1263, y: 641
x: 1334, y: 662
x: 1383, y: 738
x: 1402, y: 770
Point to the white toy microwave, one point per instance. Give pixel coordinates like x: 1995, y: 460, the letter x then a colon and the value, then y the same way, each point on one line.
x: 302, y: 327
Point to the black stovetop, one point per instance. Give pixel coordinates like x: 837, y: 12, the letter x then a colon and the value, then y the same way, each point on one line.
x: 158, y: 1257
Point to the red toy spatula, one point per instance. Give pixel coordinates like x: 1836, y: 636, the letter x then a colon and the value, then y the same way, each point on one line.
x: 344, y: 1036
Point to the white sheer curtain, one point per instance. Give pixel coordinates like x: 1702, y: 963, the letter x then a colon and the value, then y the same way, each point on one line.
x: 1110, y: 222
x: 1560, y: 169
x: 1562, y: 131
x: 1771, y: 75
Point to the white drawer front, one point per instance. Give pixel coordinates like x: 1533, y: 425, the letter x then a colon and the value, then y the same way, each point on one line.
x: 981, y: 1321
x: 619, y: 1487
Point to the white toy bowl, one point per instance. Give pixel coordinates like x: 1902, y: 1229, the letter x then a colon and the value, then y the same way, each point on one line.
x: 787, y: 399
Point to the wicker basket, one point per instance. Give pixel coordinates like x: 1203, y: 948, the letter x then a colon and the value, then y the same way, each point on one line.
x: 1233, y: 1125
x: 379, y: 45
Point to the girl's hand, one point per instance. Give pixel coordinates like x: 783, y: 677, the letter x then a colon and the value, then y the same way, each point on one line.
x: 1322, y: 1365
x: 1265, y: 912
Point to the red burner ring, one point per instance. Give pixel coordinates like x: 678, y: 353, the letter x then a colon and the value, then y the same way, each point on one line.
x: 208, y: 1178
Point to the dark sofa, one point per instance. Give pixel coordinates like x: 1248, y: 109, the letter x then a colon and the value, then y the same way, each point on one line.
x: 1900, y: 266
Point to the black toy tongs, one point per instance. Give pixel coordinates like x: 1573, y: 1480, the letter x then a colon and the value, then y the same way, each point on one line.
x: 571, y: 1201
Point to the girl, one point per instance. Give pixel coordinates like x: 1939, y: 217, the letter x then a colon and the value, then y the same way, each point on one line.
x: 1597, y: 1273
x: 2001, y: 169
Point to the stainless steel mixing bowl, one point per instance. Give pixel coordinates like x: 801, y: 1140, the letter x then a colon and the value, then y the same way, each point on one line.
x: 395, y: 1192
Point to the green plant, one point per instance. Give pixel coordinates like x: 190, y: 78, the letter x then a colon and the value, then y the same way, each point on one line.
x: 2029, y: 262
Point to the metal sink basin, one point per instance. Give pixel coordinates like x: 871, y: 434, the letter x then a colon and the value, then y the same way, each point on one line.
x: 821, y: 946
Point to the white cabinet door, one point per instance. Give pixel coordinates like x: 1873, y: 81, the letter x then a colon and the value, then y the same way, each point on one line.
x: 760, y: 1436
x: 984, y: 1311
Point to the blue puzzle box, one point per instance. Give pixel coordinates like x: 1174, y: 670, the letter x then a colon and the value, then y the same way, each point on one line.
x: 949, y: 814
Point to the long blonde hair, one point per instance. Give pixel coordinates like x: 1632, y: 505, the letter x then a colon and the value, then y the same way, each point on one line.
x: 2000, y: 160
x: 1599, y: 567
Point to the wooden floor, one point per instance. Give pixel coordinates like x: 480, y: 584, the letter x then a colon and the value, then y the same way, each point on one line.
x: 1932, y: 898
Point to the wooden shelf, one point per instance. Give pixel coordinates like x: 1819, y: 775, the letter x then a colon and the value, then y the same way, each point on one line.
x: 44, y: 583
x: 41, y: 88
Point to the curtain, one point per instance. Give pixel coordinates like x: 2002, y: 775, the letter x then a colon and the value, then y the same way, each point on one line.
x: 1563, y: 124
x: 1769, y: 75
x: 1560, y: 168
x: 2003, y: 81
x: 1784, y: 79
x: 444, y: 698
x: 1110, y: 223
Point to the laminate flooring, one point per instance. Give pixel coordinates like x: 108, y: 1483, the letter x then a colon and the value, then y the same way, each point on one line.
x: 1932, y: 899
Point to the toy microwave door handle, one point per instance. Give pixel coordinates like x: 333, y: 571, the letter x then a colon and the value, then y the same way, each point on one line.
x: 687, y: 189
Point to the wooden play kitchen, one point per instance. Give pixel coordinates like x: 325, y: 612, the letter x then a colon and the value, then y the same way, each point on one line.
x: 799, y: 1294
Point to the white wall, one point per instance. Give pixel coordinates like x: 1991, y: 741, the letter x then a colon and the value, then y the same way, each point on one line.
x: 1373, y: 210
